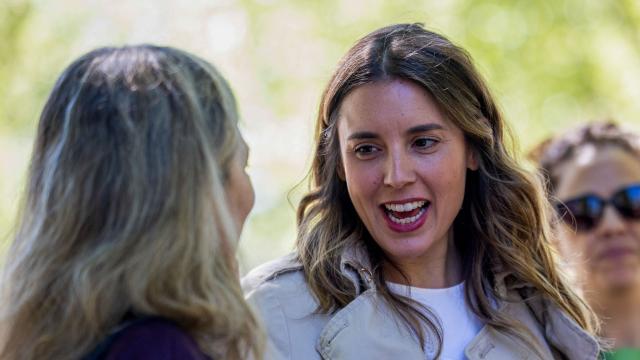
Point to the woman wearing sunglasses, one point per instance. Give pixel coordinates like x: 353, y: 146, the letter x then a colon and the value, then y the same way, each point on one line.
x: 594, y: 173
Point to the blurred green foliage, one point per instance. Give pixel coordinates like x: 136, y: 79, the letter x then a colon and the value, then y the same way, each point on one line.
x: 551, y: 64
x: 14, y: 16
x: 13, y: 19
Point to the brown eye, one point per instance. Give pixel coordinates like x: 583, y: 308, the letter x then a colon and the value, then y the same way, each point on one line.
x: 425, y: 142
x: 366, y: 150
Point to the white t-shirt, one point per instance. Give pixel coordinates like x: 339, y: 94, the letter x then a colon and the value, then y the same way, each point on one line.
x: 459, y: 324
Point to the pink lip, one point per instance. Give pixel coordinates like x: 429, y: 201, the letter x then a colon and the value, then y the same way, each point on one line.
x: 404, y: 228
x: 615, y: 253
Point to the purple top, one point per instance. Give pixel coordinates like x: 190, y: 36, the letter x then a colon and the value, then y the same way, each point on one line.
x: 154, y: 338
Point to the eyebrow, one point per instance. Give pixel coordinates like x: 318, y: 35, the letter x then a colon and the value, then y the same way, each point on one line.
x: 424, y: 128
x: 416, y: 129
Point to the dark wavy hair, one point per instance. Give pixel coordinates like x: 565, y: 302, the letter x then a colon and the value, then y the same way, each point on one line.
x: 503, y: 222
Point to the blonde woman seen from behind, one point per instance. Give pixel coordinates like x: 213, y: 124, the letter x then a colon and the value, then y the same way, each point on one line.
x: 136, y: 194
x: 421, y: 237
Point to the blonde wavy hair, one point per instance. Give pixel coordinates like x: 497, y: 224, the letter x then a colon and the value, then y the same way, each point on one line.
x: 503, y: 225
x: 125, y: 210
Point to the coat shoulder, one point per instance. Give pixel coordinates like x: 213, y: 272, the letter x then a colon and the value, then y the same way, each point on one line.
x: 278, y: 272
x: 279, y: 294
x: 280, y: 285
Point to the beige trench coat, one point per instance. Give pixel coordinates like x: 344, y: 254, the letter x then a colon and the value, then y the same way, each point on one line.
x: 365, y: 328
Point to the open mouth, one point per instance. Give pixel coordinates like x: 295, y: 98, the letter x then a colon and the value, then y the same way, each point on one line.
x: 406, y: 213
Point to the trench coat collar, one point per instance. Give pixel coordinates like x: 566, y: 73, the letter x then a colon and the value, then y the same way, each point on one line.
x: 356, y: 265
x: 560, y: 330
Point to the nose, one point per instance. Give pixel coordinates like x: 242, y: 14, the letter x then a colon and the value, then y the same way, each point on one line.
x: 399, y: 170
x: 611, y: 223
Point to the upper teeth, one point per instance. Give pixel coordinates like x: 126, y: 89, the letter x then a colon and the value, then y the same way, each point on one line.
x: 404, y: 207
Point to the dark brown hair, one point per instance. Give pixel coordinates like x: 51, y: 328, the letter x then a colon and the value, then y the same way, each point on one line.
x: 503, y: 222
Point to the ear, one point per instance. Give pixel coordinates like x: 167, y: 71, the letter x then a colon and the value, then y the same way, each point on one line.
x: 472, y: 159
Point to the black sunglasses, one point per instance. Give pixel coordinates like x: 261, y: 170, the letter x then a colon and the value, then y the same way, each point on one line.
x: 584, y: 212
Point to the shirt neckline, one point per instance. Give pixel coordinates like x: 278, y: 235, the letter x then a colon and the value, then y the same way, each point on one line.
x: 399, y: 288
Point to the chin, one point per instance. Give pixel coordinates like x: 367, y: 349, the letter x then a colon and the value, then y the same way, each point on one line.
x: 413, y: 251
x: 620, y: 281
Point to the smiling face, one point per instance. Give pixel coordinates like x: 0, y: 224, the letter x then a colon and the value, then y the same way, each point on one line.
x: 405, y: 167
x: 607, y: 257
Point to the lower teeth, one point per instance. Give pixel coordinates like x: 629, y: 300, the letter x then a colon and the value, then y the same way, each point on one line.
x: 406, y: 220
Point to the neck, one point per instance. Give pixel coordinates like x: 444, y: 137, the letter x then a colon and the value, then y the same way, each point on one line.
x: 620, y: 314
x: 441, y: 267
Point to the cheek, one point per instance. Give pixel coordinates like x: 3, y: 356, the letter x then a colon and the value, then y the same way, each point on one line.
x: 249, y: 194
x: 454, y: 182
x: 572, y: 246
x: 635, y: 231
x: 361, y: 188
x: 448, y: 181
x: 362, y: 180
x: 241, y: 195
x: 362, y: 192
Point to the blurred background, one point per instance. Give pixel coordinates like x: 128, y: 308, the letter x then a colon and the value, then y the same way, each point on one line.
x: 551, y: 64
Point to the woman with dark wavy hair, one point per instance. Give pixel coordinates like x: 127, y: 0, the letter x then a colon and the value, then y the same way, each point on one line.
x: 136, y: 195
x: 589, y: 168
x: 421, y: 236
